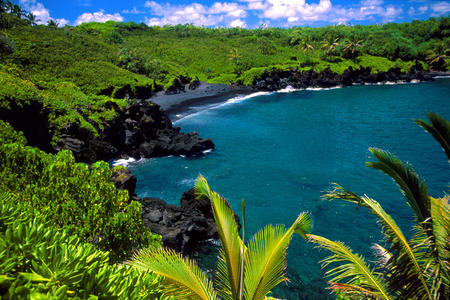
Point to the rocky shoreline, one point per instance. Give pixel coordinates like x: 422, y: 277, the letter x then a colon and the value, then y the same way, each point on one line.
x: 140, y: 130
x: 280, y: 79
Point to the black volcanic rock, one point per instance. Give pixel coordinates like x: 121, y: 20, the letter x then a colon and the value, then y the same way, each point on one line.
x: 181, y: 227
x: 278, y: 79
x: 139, y: 130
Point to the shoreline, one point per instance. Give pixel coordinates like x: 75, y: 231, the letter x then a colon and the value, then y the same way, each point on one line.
x: 215, y: 93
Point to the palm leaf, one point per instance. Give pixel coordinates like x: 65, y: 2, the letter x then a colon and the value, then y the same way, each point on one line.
x: 229, y: 267
x: 411, y: 186
x: 439, y: 263
x: 265, y: 263
x: 183, y: 279
x: 356, y: 273
x: 405, y: 275
x: 439, y: 129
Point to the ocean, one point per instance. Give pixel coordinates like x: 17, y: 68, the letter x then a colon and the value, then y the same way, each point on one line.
x: 281, y: 151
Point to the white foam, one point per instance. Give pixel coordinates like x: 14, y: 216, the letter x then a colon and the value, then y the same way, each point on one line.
x: 123, y: 162
x: 207, y: 151
x: 323, y: 89
x: 245, y: 97
x: 441, y: 76
x: 288, y: 89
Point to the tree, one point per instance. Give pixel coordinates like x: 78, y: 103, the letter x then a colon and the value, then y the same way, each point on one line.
x: 306, y: 46
x: 52, y: 23
x: 330, y: 46
x: 244, y: 271
x: 32, y: 19
x: 414, y: 269
x: 437, y: 58
x: 351, y: 48
x: 234, y: 57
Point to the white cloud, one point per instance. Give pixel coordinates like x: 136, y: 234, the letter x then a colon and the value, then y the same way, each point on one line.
x: 98, y: 16
x: 423, y: 9
x: 217, y: 14
x: 42, y: 14
x: 133, y: 11
x: 62, y: 22
x: 440, y: 8
x: 238, y: 23
x: 36, y: 8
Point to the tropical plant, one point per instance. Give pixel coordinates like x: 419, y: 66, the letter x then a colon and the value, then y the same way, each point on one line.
x: 234, y: 57
x: 52, y: 23
x: 39, y: 261
x: 245, y: 271
x: 437, y: 58
x: 329, y: 46
x: 351, y: 48
x: 418, y: 268
x: 306, y: 46
x: 32, y: 19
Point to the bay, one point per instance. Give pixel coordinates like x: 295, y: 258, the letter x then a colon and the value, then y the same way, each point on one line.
x: 281, y: 151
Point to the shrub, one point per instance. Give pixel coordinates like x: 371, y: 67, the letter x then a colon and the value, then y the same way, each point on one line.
x: 38, y: 260
x: 75, y: 197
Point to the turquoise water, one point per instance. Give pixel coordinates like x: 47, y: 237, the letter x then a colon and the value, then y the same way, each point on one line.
x: 281, y: 151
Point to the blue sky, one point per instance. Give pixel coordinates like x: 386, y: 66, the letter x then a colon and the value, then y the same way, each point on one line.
x: 237, y: 13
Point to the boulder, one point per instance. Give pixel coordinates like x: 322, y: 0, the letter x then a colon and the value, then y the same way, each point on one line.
x: 182, y: 227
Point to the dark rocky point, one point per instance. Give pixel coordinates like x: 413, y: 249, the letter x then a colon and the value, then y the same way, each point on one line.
x: 279, y: 79
x: 140, y: 130
x: 181, y: 227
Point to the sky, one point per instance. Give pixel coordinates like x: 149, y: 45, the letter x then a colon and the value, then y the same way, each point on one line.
x: 236, y: 13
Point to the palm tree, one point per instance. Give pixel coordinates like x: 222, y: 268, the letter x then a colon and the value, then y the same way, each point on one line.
x: 52, y: 23
x: 245, y: 271
x: 414, y: 269
x: 306, y: 46
x: 351, y: 48
x: 32, y: 19
x: 329, y: 46
x: 438, y: 58
x: 234, y: 56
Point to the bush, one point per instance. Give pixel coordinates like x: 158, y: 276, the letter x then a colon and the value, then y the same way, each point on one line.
x: 74, y: 196
x: 6, y: 45
x: 38, y: 260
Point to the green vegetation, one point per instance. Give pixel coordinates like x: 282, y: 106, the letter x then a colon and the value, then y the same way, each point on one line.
x: 414, y: 269
x: 243, y: 271
x: 75, y: 71
x: 71, y: 195
x: 40, y: 261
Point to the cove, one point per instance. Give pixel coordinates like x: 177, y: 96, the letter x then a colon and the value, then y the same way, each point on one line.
x: 281, y: 151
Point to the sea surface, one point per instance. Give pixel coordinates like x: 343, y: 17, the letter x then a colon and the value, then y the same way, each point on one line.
x: 281, y: 151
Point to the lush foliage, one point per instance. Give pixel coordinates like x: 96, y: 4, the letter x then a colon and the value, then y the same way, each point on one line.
x: 407, y: 269
x: 72, y: 195
x: 73, y: 69
x: 243, y: 272
x: 39, y: 261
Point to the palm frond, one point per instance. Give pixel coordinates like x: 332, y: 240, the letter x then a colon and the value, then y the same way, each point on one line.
x: 183, y: 279
x: 228, y: 234
x: 352, y: 269
x: 439, y: 129
x: 439, y: 263
x: 405, y: 276
x: 265, y: 261
x: 411, y: 186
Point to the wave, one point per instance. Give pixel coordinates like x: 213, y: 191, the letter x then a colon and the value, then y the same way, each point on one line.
x: 127, y: 161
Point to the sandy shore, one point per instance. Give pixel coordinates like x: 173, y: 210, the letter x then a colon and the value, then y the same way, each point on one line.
x: 205, y: 93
